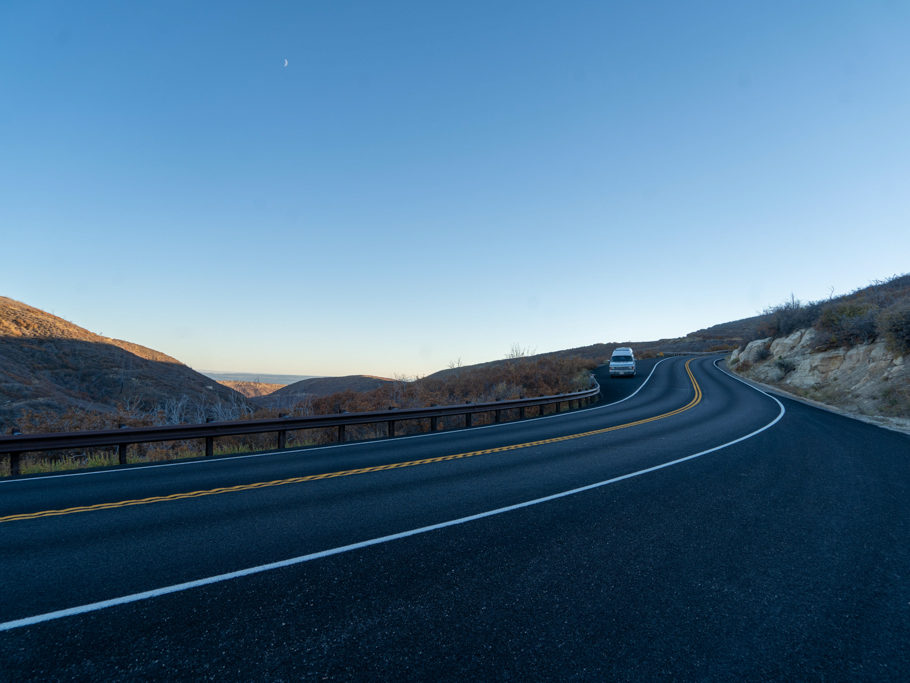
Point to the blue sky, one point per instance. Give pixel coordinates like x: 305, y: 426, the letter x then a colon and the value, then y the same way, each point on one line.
x: 431, y: 181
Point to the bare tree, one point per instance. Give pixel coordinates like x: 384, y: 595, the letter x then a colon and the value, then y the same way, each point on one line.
x: 173, y: 409
x: 303, y: 406
x: 399, y: 389
x: 518, y: 351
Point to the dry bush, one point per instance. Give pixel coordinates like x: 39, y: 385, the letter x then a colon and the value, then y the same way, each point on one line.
x: 894, y: 325
x: 785, y: 365
x: 507, y: 380
x: 848, y: 323
x: 788, y: 317
x: 895, y: 401
x: 859, y: 317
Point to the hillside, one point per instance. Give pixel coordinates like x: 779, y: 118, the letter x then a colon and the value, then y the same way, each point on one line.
x: 318, y: 387
x: 252, y: 389
x: 596, y: 354
x: 867, y: 379
x: 49, y: 365
x: 848, y: 352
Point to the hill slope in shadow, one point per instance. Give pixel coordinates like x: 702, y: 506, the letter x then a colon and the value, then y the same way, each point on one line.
x: 50, y: 364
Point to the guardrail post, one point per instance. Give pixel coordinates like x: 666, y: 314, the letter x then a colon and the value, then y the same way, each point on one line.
x: 123, y: 440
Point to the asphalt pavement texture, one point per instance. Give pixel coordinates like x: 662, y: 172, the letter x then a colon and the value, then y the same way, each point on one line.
x: 783, y: 556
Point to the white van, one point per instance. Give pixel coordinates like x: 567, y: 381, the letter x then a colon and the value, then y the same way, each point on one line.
x: 622, y: 362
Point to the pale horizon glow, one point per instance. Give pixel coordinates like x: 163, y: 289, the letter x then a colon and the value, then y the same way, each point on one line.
x: 433, y: 182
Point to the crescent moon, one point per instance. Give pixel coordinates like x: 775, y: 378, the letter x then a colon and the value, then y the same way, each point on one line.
x: 285, y: 62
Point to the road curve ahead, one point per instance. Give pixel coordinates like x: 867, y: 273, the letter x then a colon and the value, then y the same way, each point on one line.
x: 697, y: 529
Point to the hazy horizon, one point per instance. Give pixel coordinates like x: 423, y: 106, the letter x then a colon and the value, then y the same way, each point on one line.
x: 265, y: 378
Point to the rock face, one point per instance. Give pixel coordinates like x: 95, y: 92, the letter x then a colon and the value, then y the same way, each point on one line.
x: 754, y: 352
x: 866, y: 379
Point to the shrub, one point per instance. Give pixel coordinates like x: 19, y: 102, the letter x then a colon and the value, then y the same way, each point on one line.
x: 896, y: 401
x: 894, y: 325
x: 848, y: 323
x: 788, y: 317
x: 785, y: 365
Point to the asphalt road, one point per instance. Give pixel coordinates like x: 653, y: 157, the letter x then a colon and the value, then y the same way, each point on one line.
x: 782, y: 555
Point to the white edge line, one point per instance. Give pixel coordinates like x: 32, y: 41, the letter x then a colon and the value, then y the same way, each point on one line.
x: 291, y: 451
x: 176, y: 588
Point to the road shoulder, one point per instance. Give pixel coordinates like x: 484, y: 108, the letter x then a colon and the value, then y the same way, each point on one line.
x: 894, y: 424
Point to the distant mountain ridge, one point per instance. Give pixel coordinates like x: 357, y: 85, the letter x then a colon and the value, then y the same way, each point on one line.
x: 322, y: 386
x: 252, y: 389
x: 258, y: 377
x: 50, y: 364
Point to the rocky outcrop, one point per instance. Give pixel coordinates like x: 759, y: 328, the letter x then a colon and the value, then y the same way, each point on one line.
x: 866, y: 379
x: 754, y: 352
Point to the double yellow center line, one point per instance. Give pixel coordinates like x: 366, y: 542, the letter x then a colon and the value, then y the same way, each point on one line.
x: 347, y: 473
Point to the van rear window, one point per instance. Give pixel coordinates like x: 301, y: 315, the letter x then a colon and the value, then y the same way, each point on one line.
x: 621, y: 359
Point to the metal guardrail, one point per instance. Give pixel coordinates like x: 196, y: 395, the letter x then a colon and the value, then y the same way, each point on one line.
x: 15, y: 446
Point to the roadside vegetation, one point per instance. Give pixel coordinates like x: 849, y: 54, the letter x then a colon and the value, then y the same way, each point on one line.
x: 878, y: 312
x: 848, y: 352
x: 64, y: 378
x: 513, y: 378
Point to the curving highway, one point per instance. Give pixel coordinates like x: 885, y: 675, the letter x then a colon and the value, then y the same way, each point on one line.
x: 688, y: 526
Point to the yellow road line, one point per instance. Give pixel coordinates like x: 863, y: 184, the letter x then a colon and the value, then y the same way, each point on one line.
x: 347, y: 473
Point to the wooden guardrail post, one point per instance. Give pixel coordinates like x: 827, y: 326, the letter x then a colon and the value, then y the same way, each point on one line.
x: 121, y: 453
x: 209, y: 446
x: 14, y: 464
x: 340, y: 433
